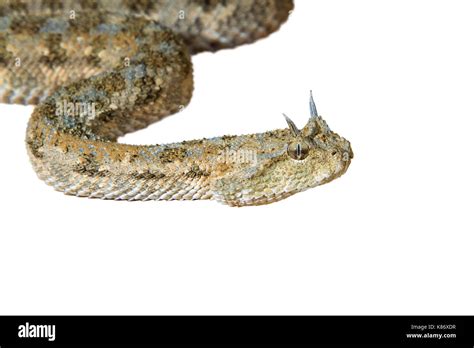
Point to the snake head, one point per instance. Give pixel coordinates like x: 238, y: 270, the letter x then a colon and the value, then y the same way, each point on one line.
x: 318, y: 152
x: 288, y: 161
x: 317, y: 142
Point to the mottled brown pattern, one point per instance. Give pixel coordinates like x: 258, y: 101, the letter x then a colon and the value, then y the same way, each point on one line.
x: 101, y: 69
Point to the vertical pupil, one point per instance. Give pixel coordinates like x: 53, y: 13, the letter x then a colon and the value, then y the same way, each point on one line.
x: 298, y: 150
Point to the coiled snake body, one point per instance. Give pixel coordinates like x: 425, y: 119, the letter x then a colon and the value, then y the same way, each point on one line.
x: 101, y: 69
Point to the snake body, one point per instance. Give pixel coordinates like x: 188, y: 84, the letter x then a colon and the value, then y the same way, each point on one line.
x: 100, y: 69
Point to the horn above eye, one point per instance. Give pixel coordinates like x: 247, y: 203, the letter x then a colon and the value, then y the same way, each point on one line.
x: 312, y: 106
x: 294, y: 130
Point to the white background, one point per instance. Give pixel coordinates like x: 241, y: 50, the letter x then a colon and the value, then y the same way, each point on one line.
x: 394, y: 235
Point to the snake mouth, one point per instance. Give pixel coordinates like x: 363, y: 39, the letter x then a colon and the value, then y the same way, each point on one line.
x: 351, y: 153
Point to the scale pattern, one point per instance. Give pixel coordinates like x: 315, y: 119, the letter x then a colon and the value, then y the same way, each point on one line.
x: 100, y: 69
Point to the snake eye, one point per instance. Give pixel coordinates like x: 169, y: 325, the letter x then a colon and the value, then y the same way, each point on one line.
x: 298, y: 150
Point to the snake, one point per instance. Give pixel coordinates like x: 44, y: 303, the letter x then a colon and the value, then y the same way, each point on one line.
x: 99, y: 69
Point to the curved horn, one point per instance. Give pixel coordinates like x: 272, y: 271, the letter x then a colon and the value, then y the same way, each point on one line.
x: 312, y: 105
x: 294, y: 130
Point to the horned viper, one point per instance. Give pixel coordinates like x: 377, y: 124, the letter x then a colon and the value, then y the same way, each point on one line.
x: 98, y: 69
